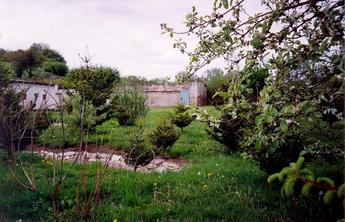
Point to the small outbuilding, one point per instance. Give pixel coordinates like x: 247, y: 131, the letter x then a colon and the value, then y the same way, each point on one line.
x: 43, y: 95
x: 193, y: 93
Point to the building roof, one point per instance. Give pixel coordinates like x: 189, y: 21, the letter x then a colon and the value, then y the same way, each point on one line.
x: 31, y: 82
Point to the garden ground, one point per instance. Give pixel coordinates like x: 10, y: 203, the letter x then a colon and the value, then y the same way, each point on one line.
x: 212, y: 187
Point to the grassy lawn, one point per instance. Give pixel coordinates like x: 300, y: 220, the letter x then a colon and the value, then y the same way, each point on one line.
x: 193, y: 139
x: 213, y: 187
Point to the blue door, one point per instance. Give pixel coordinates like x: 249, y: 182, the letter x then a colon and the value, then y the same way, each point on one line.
x: 184, y: 97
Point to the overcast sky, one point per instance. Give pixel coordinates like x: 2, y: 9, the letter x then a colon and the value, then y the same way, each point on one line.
x: 124, y: 34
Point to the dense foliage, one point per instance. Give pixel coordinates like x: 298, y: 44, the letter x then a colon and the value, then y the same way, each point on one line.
x: 215, y: 81
x: 94, y: 84
x: 82, y: 115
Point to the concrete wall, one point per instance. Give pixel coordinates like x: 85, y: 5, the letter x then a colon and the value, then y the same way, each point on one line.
x: 169, y: 95
x: 45, y: 96
x: 162, y: 98
x: 201, y: 94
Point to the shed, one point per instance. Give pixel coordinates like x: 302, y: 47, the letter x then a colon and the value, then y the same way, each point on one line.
x: 193, y: 93
x: 43, y: 95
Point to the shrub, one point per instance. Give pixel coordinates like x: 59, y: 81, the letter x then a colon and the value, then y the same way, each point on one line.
x: 228, y: 131
x: 164, y: 135
x: 283, y: 130
x: 55, y: 68
x: 128, y: 104
x: 215, y: 81
x: 235, y: 118
x: 41, y: 121
x: 139, y: 154
x: 181, y: 117
x: 16, y: 121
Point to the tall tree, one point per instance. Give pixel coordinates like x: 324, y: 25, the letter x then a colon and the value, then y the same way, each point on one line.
x: 290, y: 74
x: 49, y: 54
x: 25, y: 61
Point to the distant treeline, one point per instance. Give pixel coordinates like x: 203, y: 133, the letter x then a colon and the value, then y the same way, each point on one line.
x: 37, y: 61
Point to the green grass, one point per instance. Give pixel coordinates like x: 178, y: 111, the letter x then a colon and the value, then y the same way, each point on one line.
x: 110, y: 132
x: 193, y: 138
x: 210, y: 188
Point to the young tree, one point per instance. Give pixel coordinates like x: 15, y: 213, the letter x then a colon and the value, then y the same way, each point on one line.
x: 128, y: 103
x: 93, y: 83
x: 82, y: 116
x: 181, y: 116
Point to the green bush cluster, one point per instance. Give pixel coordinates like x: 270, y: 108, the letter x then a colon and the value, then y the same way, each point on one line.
x: 181, y: 116
x: 164, y: 135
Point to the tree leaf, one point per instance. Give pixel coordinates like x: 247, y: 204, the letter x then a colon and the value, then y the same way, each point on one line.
x: 288, y: 110
x: 306, y: 107
x: 325, y: 180
x: 258, y: 120
x: 284, y: 127
x: 271, y: 178
x: 324, y: 44
x: 341, y: 190
x: 226, y: 4
x: 299, y: 163
x: 306, y: 189
x: 328, y: 197
x: 273, y: 111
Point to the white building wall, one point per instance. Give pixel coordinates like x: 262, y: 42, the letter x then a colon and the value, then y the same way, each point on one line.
x: 45, y: 96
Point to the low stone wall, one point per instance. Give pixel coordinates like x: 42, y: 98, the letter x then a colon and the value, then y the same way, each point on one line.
x: 116, y: 161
